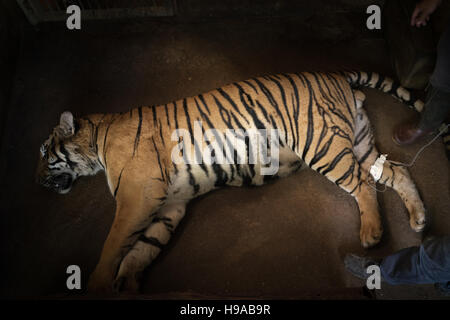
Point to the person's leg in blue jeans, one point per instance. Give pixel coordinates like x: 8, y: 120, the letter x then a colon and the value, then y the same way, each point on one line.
x: 427, y: 264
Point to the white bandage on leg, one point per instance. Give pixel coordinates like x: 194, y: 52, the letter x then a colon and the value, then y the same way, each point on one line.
x: 376, y: 170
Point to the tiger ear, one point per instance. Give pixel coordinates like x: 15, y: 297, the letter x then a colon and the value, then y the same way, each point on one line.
x: 66, y: 124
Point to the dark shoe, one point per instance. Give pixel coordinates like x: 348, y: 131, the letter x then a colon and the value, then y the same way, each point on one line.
x: 357, y: 265
x: 436, y: 109
x: 409, y: 133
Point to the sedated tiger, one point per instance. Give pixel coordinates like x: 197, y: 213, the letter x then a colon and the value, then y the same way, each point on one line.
x: 321, y: 123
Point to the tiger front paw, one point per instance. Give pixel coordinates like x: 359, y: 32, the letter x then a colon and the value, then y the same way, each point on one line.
x: 370, y: 234
x: 418, y: 221
x: 127, y: 284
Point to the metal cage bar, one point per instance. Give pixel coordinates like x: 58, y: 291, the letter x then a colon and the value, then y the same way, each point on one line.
x: 38, y: 11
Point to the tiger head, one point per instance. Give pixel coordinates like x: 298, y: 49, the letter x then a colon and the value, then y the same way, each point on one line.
x: 67, y: 154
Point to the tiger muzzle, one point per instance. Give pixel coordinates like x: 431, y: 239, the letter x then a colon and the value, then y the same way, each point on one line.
x: 60, y: 183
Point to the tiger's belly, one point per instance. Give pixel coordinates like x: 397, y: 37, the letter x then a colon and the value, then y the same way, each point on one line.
x: 194, y: 180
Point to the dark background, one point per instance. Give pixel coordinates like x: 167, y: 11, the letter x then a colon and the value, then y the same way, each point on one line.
x: 283, y: 240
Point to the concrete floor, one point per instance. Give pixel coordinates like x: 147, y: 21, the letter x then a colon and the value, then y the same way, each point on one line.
x: 286, y: 239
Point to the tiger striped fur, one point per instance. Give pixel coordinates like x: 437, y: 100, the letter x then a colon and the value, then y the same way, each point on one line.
x: 322, y: 125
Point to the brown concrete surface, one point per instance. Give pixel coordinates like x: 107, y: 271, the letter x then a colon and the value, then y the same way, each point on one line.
x: 286, y: 239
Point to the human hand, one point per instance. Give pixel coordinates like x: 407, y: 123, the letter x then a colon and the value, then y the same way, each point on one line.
x: 422, y: 12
